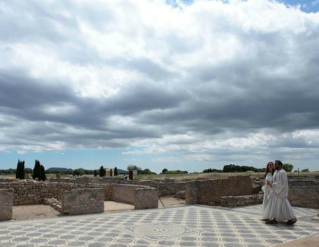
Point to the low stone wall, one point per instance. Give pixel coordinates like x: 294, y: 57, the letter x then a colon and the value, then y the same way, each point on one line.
x: 165, y: 187
x: 142, y: 197
x: 124, y: 193
x: 90, y: 180
x: 240, y: 201
x: 210, y: 192
x: 6, y: 204
x: 29, y: 192
x: 54, y: 203
x: 145, y: 198
x: 304, y: 192
x: 83, y: 201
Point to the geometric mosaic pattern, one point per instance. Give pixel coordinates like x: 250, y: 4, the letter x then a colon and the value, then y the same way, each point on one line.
x: 181, y: 226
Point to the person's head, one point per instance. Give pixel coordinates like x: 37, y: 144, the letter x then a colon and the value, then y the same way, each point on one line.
x: 278, y: 164
x: 270, y: 168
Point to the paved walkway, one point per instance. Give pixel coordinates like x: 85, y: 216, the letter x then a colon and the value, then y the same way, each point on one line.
x: 181, y: 226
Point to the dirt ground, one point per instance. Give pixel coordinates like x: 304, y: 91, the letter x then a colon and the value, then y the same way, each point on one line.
x: 31, y: 212
x: 170, y: 202
x: 306, y: 242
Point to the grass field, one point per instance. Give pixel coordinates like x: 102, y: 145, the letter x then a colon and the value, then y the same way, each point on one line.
x: 185, y: 177
x: 200, y: 176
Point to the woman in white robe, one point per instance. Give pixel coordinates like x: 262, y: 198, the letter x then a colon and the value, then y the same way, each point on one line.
x: 278, y: 207
x: 267, y: 188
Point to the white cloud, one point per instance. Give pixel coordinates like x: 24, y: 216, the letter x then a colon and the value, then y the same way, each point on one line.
x: 203, y: 81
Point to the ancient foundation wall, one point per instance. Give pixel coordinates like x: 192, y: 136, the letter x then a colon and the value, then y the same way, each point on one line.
x: 145, y: 198
x: 142, y: 197
x: 240, y: 201
x: 210, y: 192
x: 6, y: 204
x: 29, y: 192
x: 83, y: 201
x: 304, y: 192
x: 124, y: 193
x: 166, y: 187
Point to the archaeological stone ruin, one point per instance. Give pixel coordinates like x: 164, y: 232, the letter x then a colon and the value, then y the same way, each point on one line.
x: 87, y: 195
x: 6, y: 204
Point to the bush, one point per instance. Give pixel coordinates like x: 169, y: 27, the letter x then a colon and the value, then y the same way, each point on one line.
x: 78, y: 172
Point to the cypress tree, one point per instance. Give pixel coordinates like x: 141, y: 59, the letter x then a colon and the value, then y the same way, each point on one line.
x: 102, y: 171
x: 37, y: 170
x: 20, y: 172
x: 115, y: 171
x: 95, y: 173
x: 111, y: 172
x: 42, y: 174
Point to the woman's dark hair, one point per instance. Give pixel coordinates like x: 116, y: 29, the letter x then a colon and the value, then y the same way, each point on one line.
x: 267, y: 168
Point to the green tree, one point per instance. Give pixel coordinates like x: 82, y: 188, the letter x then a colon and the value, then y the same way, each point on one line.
x: 37, y: 170
x: 78, y: 172
x: 164, y: 171
x: 43, y: 176
x: 20, y: 172
x: 115, y: 171
x: 133, y: 167
x: 102, y: 172
x: 305, y: 170
x: 288, y: 167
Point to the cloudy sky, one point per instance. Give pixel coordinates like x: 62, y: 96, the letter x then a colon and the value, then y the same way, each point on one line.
x: 160, y: 84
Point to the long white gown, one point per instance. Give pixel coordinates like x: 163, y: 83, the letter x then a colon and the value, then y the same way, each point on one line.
x: 278, y: 206
x: 267, y: 192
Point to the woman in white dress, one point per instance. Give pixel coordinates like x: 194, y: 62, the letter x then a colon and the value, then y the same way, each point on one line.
x: 267, y: 189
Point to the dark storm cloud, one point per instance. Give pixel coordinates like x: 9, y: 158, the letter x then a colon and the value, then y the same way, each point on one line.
x: 199, y: 78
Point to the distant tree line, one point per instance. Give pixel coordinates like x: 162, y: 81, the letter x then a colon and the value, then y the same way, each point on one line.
x: 139, y: 170
x: 236, y: 168
x: 211, y: 170
x: 166, y: 171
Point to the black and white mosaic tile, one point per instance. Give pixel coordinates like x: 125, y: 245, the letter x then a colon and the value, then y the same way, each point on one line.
x: 185, y: 226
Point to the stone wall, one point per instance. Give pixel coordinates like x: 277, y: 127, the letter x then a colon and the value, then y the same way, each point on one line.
x: 210, y: 192
x: 6, y: 204
x: 88, y: 180
x: 304, y: 192
x: 83, y: 201
x: 240, y: 201
x: 145, y: 198
x: 29, y: 192
x: 166, y: 187
x: 142, y: 197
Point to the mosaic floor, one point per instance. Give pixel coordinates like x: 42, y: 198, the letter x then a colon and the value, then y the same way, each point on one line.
x: 180, y: 226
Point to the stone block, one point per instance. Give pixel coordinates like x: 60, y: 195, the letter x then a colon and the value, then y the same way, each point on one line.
x: 145, y: 198
x: 83, y: 201
x: 6, y: 204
